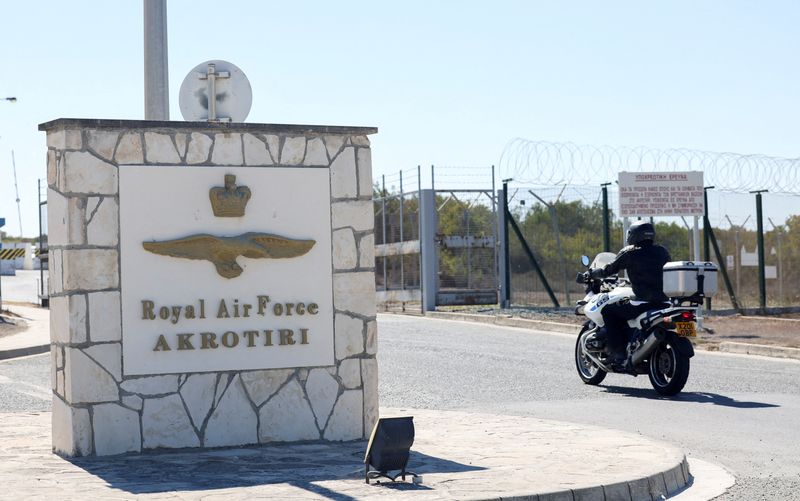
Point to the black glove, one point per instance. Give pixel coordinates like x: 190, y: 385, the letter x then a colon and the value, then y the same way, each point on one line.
x: 582, y: 278
x: 597, y: 273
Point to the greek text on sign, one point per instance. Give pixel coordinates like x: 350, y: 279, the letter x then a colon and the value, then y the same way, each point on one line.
x: 661, y: 194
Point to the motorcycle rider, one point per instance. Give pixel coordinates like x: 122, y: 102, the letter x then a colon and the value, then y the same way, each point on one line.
x: 644, y: 261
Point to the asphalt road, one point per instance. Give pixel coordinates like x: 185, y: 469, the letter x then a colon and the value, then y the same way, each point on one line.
x: 736, y: 411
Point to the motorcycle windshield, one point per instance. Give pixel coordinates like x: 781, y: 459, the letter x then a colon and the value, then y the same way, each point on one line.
x: 603, y: 259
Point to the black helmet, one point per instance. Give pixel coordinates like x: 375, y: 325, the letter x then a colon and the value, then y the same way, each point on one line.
x: 640, y: 231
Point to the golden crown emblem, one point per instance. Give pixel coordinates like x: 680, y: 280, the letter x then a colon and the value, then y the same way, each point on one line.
x: 230, y: 200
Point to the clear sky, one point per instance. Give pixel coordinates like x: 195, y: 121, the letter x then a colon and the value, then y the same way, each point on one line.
x: 446, y: 82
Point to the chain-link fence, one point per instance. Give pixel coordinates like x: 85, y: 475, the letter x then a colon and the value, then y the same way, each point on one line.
x: 561, y: 223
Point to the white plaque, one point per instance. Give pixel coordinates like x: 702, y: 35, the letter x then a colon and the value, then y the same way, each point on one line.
x: 182, y: 314
x: 648, y: 194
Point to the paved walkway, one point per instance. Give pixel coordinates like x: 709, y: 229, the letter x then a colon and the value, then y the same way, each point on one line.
x: 34, y: 339
x: 459, y: 455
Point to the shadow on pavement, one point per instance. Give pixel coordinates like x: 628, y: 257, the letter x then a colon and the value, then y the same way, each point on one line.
x: 306, y: 467
x: 697, y: 397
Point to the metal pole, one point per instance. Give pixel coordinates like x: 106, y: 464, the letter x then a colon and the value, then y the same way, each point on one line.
x: 706, y: 236
x: 156, y: 74
x: 402, y: 272
x: 433, y: 187
x: 383, y: 203
x: 494, y: 227
x: 41, y: 268
x: 606, y: 220
x: 762, y: 281
x: 419, y: 235
x: 506, y: 248
x: 696, y: 238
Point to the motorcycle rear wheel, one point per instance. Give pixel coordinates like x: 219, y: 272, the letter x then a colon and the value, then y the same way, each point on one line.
x: 587, y: 370
x: 668, y: 369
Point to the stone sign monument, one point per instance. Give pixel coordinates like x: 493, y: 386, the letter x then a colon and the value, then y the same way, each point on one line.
x: 212, y: 284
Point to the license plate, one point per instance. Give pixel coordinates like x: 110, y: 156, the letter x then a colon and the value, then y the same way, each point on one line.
x: 686, y: 329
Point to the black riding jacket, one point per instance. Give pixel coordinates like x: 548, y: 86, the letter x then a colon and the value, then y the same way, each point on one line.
x: 645, y: 264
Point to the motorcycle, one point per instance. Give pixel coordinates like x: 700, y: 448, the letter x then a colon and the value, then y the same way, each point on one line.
x: 659, y: 343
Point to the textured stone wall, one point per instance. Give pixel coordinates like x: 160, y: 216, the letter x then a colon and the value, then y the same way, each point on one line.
x: 97, y: 410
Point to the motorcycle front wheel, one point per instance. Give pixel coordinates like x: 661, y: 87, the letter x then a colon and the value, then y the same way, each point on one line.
x: 668, y: 369
x: 587, y: 370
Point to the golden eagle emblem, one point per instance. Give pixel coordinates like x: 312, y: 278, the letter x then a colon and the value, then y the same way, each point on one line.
x: 223, y: 251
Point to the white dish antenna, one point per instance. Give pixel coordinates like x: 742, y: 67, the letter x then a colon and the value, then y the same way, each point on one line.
x: 223, y: 80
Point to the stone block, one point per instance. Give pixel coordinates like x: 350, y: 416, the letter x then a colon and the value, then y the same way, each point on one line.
x: 57, y: 219
x: 640, y: 489
x: 261, y: 385
x: 165, y: 424
x: 53, y: 365
x: 52, y: 171
x: 658, y: 486
x: 671, y: 480
x: 180, y: 143
x: 151, y: 385
x: 102, y: 221
x: 227, y: 149
x: 104, y: 316
x: 132, y: 401
x: 347, y: 420
x: 354, y: 292
x: 60, y: 383
x: 90, y: 269
x: 294, y: 150
x: 357, y: 214
x: 73, y: 139
x: 344, y: 181
x: 316, y: 155
x: 55, y: 284
x: 369, y: 375
x: 589, y: 494
x: 233, y: 422
x: 76, y: 221
x: 617, y: 491
x: 199, y: 148
x: 360, y: 141
x: 334, y: 144
x: 350, y: 373
x: 366, y: 251
x: 129, y: 150
x: 365, y: 172
x: 103, y: 143
x: 86, y: 381
x: 68, y: 319
x: 287, y: 417
x: 85, y: 173
x: 72, y: 430
x: 322, y: 391
x: 255, y: 151
x: 159, y: 149
x: 372, y: 337
x: 198, y: 395
x: 274, y: 146
x: 116, y: 430
x: 349, y: 336
x: 108, y: 356
x: 56, y: 139
x: 344, y: 249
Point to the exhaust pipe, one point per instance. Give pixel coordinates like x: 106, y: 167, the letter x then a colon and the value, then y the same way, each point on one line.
x: 647, y: 347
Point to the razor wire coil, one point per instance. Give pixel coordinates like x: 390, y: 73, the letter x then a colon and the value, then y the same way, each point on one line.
x: 544, y: 162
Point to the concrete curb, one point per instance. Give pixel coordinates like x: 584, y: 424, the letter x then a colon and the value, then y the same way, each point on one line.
x: 525, y: 323
x: 760, y: 349
x: 24, y: 352
x: 657, y: 486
